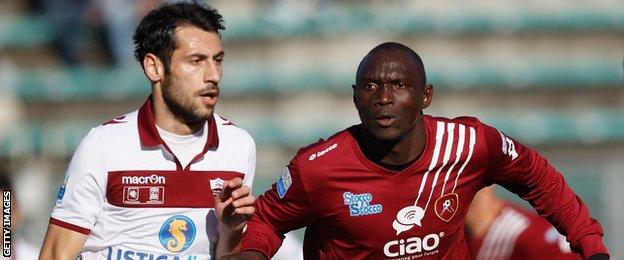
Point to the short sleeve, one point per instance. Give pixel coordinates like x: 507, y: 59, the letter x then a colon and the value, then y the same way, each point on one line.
x: 251, y: 164
x: 81, y: 196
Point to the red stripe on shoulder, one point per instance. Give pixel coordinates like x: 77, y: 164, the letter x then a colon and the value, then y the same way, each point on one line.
x: 63, y: 224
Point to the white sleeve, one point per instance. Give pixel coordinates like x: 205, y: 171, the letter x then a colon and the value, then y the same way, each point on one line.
x: 251, y: 165
x: 81, y: 196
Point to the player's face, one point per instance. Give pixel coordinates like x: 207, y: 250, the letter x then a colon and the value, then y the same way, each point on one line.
x: 191, y: 88
x: 389, y: 95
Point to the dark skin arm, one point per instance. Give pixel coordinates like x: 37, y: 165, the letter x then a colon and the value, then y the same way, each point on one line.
x: 234, y: 206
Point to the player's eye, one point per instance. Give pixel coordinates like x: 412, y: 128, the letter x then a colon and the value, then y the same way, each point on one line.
x: 399, y: 85
x: 196, y: 61
x: 370, y: 86
x: 218, y: 60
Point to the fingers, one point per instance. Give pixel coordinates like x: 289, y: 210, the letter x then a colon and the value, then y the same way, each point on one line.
x: 244, y: 201
x: 245, y: 211
x: 244, y: 206
x: 240, y: 193
x: 220, y: 201
x: 234, y: 183
x: 229, y: 186
x: 236, y: 199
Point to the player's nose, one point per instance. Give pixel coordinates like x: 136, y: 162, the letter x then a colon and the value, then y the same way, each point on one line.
x: 383, y: 96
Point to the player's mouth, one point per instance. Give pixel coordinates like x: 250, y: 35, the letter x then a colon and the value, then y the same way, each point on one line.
x: 385, y: 121
x: 209, y: 97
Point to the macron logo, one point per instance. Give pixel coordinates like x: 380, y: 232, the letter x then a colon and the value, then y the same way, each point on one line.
x: 321, y: 153
x: 152, y: 179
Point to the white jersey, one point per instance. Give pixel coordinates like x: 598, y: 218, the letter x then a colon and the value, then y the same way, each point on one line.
x: 132, y: 197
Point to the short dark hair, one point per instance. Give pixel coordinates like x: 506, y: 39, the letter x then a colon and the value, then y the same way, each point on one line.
x: 156, y: 32
x: 395, y: 46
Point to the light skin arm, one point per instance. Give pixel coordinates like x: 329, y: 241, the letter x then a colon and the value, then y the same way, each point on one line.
x: 233, y: 206
x: 61, y: 243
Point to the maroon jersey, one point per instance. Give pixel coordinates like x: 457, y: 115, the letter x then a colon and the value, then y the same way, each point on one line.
x: 355, y: 209
x: 517, y: 234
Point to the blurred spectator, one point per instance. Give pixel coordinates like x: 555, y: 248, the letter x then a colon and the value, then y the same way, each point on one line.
x: 120, y: 17
x: 76, y: 23
x: 67, y: 18
x: 496, y: 229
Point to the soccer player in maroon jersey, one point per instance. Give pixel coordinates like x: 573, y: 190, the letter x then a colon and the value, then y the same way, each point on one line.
x: 398, y: 185
x: 497, y: 229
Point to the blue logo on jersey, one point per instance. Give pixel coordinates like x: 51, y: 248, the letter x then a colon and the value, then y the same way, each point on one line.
x: 177, y: 233
x: 61, y: 192
x: 283, y: 183
x: 360, y: 204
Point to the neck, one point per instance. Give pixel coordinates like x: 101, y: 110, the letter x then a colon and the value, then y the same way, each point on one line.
x: 403, y: 150
x: 167, y: 121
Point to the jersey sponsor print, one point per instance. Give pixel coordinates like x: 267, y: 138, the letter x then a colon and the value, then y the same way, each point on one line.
x: 129, y: 193
x: 356, y: 209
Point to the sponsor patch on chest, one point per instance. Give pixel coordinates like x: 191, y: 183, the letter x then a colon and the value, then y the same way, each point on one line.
x: 157, y: 189
x: 361, y: 204
x: 144, y: 195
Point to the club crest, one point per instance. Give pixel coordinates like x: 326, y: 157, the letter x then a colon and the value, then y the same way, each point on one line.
x: 216, y: 185
x: 446, y: 206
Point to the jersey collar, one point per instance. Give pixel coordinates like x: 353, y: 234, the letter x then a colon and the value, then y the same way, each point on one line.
x: 149, y: 135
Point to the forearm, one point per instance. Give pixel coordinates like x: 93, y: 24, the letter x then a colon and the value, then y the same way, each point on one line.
x: 229, y: 241
x: 546, y: 189
x: 61, y: 244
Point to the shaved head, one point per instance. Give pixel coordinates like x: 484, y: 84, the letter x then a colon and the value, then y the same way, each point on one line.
x: 394, y: 48
x: 390, y: 92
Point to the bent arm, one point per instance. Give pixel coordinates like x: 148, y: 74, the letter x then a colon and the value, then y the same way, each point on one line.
x: 61, y: 243
x: 526, y: 173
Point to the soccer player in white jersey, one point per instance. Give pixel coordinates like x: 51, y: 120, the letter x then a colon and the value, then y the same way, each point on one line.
x: 172, y: 179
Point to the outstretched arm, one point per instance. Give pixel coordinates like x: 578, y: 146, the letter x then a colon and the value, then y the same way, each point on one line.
x: 61, y: 243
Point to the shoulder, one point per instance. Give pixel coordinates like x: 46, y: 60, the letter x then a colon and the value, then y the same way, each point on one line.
x: 468, y: 121
x: 324, y: 148
x: 120, y: 127
x: 228, y: 129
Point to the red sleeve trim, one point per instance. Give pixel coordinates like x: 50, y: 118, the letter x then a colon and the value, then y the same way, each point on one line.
x: 63, y: 224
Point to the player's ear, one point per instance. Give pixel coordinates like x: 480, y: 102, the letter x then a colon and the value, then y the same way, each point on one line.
x: 153, y: 66
x: 427, y: 95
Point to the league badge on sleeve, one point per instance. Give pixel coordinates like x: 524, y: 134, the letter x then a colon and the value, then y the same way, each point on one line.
x: 61, y: 191
x: 446, y: 206
x: 283, y: 183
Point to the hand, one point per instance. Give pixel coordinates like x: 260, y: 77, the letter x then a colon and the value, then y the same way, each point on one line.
x: 234, y: 205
